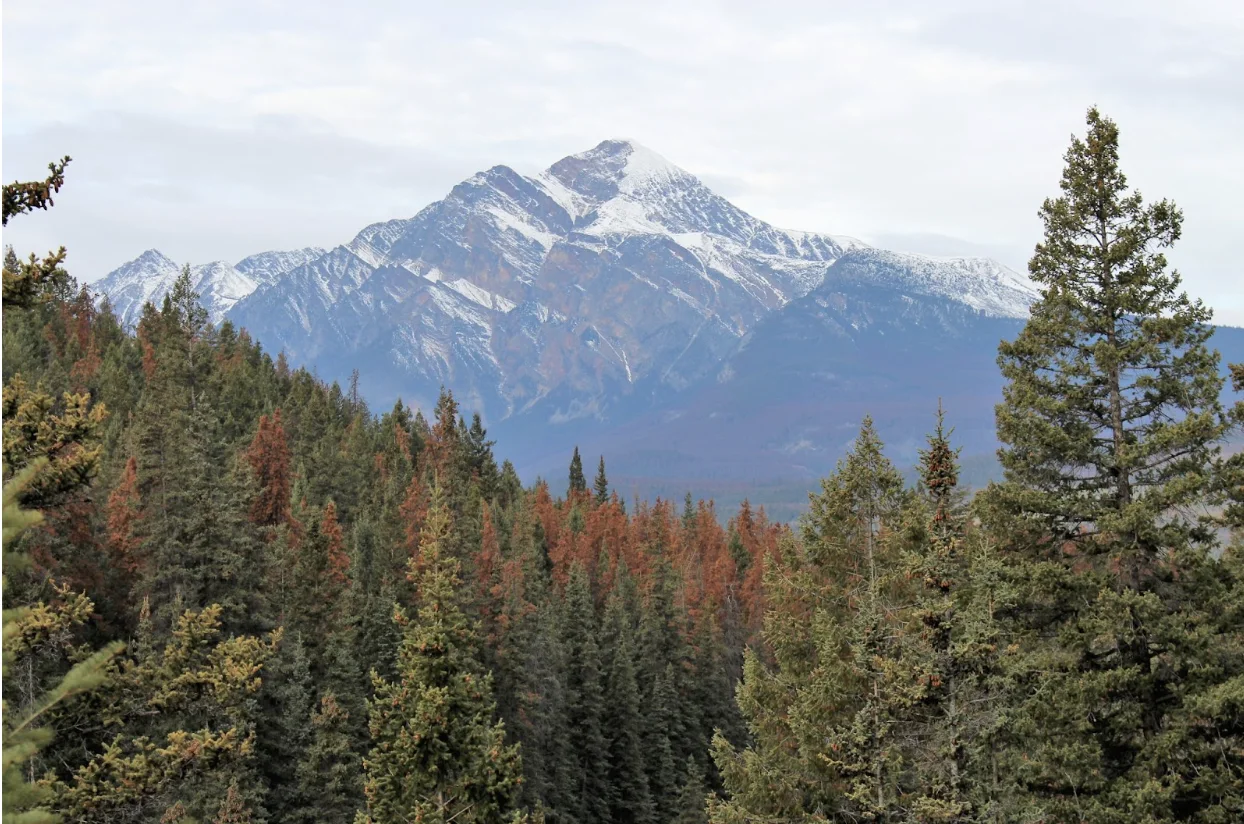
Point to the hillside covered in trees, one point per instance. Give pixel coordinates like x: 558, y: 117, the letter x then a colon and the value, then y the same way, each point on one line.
x: 234, y: 593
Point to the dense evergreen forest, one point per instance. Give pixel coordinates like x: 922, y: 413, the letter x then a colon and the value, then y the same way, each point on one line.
x: 234, y: 593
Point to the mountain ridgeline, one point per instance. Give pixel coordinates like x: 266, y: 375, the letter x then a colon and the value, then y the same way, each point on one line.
x: 613, y: 294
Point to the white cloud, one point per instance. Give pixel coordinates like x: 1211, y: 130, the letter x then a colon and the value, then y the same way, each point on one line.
x: 219, y: 129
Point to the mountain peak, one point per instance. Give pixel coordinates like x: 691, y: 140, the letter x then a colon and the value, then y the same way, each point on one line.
x: 153, y: 257
x: 613, y: 167
x: 220, y: 284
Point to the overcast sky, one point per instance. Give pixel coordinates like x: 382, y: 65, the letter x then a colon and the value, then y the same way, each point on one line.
x: 213, y: 130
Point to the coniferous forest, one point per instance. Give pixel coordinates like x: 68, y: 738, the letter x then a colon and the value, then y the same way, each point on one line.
x: 235, y: 593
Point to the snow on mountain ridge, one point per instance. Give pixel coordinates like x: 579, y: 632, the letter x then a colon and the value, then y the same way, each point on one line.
x: 644, y: 168
x: 145, y: 279
x: 611, y: 269
x: 631, y: 189
x: 981, y: 283
x: 268, y: 267
x: 220, y: 284
x: 220, y: 287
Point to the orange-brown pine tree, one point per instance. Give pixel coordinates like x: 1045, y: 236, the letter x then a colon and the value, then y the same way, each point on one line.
x: 124, y: 511
x: 338, y: 560
x: 269, y: 458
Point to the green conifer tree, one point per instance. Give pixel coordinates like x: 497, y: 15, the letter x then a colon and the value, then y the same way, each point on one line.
x: 601, y: 485
x: 693, y: 798
x: 510, y: 487
x: 202, y: 547
x: 173, y: 724
x: 329, y: 779
x: 662, y: 734
x: 531, y: 676
x: 1232, y: 469
x: 585, y: 710
x: 483, y: 464
x: 48, y: 455
x: 850, y: 533
x: 578, y: 482
x: 630, y: 801
x: 1109, y: 421
x: 26, y: 283
x: 937, y: 650
x: 437, y: 755
x: 823, y: 718
x: 281, y: 733
x: 1111, y: 408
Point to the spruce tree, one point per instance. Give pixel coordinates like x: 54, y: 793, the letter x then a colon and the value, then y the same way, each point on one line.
x: 437, y: 755
x: 585, y: 709
x: 479, y: 455
x: 850, y: 534
x: 938, y: 651
x: 693, y: 798
x: 712, y: 694
x: 578, y: 482
x: 601, y: 485
x: 823, y: 718
x: 200, y: 547
x: 1111, y: 408
x: 1109, y: 421
x: 510, y: 487
x: 630, y: 801
x: 281, y: 734
x: 662, y: 735
x: 664, y: 666
x: 319, y: 583
x: 1232, y: 469
x: 532, y: 674
x: 368, y: 635
x: 329, y: 781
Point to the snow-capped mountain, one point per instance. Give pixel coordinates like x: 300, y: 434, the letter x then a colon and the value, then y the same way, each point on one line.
x: 145, y: 279
x: 586, y: 293
x: 150, y: 276
x: 267, y: 268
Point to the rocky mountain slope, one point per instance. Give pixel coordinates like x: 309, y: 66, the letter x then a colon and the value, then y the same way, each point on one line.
x: 790, y: 397
x: 594, y: 291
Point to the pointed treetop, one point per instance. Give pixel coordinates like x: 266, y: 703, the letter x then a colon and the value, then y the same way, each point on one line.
x: 939, y: 465
x: 578, y: 482
x: 601, y: 485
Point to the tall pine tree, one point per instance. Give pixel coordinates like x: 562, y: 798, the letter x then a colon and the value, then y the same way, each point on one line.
x: 1110, y: 419
x: 823, y: 718
x: 601, y: 485
x: 437, y: 755
x: 578, y: 481
x: 585, y: 709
